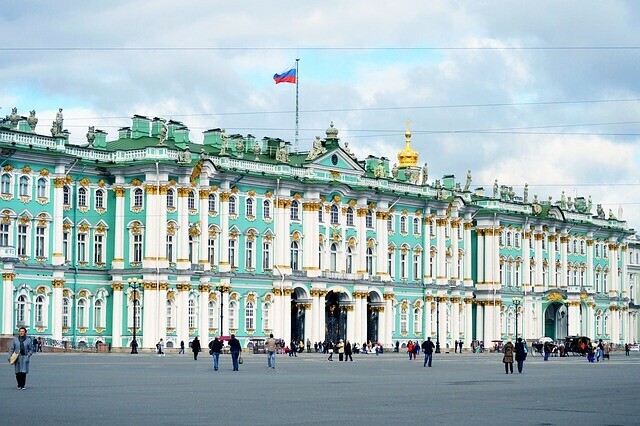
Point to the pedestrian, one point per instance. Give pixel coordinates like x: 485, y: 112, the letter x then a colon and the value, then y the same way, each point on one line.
x: 600, y: 351
x: 455, y: 346
x: 22, y: 346
x: 293, y: 348
x: 521, y: 353
x: 607, y: 350
x: 195, y: 347
x: 427, y: 349
x: 270, y: 344
x: 626, y: 349
x: 508, y: 357
x: 215, y: 348
x: 340, y: 348
x: 181, y: 351
x: 330, y: 350
x: 348, y: 351
x: 416, y: 350
x: 160, y: 347
x: 308, y: 346
x: 410, y: 349
x: 235, y: 349
x: 547, y: 350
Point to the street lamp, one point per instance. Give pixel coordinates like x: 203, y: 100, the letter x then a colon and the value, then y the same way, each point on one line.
x: 437, y: 325
x: 134, y: 284
x: 517, y: 302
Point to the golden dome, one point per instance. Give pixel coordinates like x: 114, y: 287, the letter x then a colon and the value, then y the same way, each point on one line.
x: 408, y: 157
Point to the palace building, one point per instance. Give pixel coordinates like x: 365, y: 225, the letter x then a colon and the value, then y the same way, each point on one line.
x: 172, y: 239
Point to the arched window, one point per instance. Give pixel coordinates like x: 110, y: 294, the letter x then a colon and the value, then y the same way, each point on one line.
x: 321, y: 213
x: 81, y: 314
x: 170, y: 315
x: 369, y: 261
x: 97, y: 314
x: 41, y: 249
x: 249, y: 316
x: 171, y: 199
x: 432, y: 229
x: 82, y: 197
x: 22, y: 238
x: 137, y: 198
x: 333, y: 259
x: 39, y: 314
x: 232, y: 205
x: 249, y: 255
x: 192, y: 313
x: 65, y: 312
x: 575, y: 246
x: 517, y: 275
x: 417, y: 321
x: 390, y: 222
x: 6, y: 183
x: 295, y: 210
x: 403, y: 263
x: 582, y: 247
x: 232, y: 315
x: 266, y: 313
x: 517, y: 239
x: 509, y: 238
x: 213, y: 314
x: 249, y: 207
x: 320, y: 256
x: 21, y: 311
x: 211, y: 249
x: 170, y: 242
x: 212, y: 203
x: 295, y: 255
x: 599, y: 325
x: 23, y: 186
x: 403, y: 224
x: 266, y: 256
x: 501, y: 239
x: 99, y: 199
x: 416, y: 226
x: 191, y: 201
x: 403, y: 321
x: 510, y: 323
x: 334, y: 214
x: 4, y: 234
x: 368, y: 219
x: 42, y: 188
x: 416, y: 266
x: 509, y: 274
x: 266, y: 209
x: 349, y: 216
x: 349, y: 264
x: 66, y: 195
x: 232, y: 252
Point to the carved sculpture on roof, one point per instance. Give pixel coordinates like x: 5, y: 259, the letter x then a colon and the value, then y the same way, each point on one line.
x: 563, y: 201
x: 425, y: 174
x: 256, y: 150
x: 503, y: 192
x: 91, y: 135
x: 458, y: 187
x: 525, y: 197
x: 184, y: 157
x: 495, y: 189
x: 394, y: 171
x: 32, y: 120
x: 570, y: 204
x: 14, y: 117
x: 59, y: 121
x: 511, y: 193
x: 611, y: 215
x: 282, y: 155
x: 240, y: 148
x: 535, y: 199
x: 317, y: 149
x: 163, y: 132
x: 600, y: 211
x: 348, y: 151
x: 588, y: 206
x: 223, y: 143
x: 467, y: 184
x: 378, y: 171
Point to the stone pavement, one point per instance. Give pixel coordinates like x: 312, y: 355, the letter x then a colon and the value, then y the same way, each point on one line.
x: 389, y: 389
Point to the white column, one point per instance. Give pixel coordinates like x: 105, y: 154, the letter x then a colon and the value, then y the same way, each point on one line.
x: 225, y: 288
x: 526, y: 259
x: 225, y: 265
x: 161, y: 322
x: 491, y: 262
x: 442, y: 330
x: 364, y: 314
x: 624, y: 277
x: 455, y: 317
x: 310, y: 240
x: 480, y: 257
x: 351, y: 329
x: 468, y: 319
x: 441, y: 244
x: 183, y: 231
x: 203, y: 328
x: 119, y: 229
x: 480, y: 321
x: 455, y: 253
x: 182, y: 329
x: 590, y: 328
x: 357, y: 318
x: 389, y: 317
x: 308, y: 323
x: 284, y: 237
x: 57, y: 257
x: 56, y: 324
x: 382, y: 325
x: 564, y: 243
x: 286, y: 303
x: 155, y: 221
x: 552, y: 262
x: 361, y: 232
x: 590, y: 272
x: 539, y: 266
x: 116, y: 321
x: 615, y: 325
x: 320, y: 324
x: 7, y: 296
x: 573, y: 309
x: 149, y: 315
x: 204, y: 228
x: 466, y: 270
x: 489, y: 323
x: 383, y: 242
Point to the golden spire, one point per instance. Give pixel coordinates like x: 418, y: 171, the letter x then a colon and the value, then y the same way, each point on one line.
x: 408, y: 157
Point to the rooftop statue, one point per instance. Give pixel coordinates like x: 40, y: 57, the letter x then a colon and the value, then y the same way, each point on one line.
x: 570, y: 204
x: 600, y: 211
x: 240, y: 148
x: 467, y: 184
x: 163, y: 132
x: 14, y: 118
x: 256, y: 150
x: 223, y: 143
x: 588, y: 206
x: 495, y: 189
x: 525, y: 198
x: 379, y: 171
x: 91, y: 135
x: 563, y: 201
x: 282, y: 155
x: 425, y: 174
x: 611, y: 215
x: 32, y: 120
x: 317, y: 149
x: 59, y: 121
x: 394, y: 171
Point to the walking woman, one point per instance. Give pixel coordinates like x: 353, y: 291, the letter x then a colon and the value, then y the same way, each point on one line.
x: 521, y: 354
x: 22, y: 345
x: 508, y: 357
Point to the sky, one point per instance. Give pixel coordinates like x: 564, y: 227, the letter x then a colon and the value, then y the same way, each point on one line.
x: 540, y: 92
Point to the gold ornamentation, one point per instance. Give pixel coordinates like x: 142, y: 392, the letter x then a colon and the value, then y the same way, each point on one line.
x: 119, y: 191
x: 44, y: 172
x: 57, y: 283
x: 554, y: 297
x: 8, y: 276
x: 204, y: 288
x: 85, y: 182
x: 335, y: 174
x: 136, y: 182
x: 26, y: 169
x: 183, y: 287
x: 204, y: 193
x: 117, y: 286
x: 7, y: 168
x: 408, y: 157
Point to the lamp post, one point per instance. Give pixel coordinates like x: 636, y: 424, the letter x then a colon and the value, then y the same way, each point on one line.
x: 134, y: 284
x: 437, y: 325
x: 517, y: 302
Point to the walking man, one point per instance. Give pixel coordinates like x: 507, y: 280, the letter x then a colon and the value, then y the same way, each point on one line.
x: 270, y: 344
x: 348, y: 352
x: 160, y: 347
x: 455, y: 345
x: 215, y: 347
x: 521, y: 354
x: 21, y: 350
x: 181, y: 351
x: 308, y: 346
x: 195, y: 347
x: 235, y: 349
x: 427, y: 349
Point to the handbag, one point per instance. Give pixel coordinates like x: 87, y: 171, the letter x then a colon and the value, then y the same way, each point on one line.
x: 240, y: 360
x: 14, y: 357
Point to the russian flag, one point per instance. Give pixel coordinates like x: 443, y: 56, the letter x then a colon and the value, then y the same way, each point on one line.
x: 286, y: 77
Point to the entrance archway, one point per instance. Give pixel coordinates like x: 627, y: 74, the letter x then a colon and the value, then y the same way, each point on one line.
x: 556, y: 321
x: 298, y: 314
x: 374, y: 304
x: 335, y: 327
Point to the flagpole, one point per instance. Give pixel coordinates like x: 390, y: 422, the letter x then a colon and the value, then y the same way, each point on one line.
x: 295, y: 146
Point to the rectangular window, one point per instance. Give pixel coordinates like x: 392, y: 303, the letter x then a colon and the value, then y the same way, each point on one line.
x: 40, y: 247
x: 137, y: 247
x: 232, y: 253
x: 98, y: 249
x: 66, y: 246
x: 249, y: 255
x: 22, y: 240
x: 212, y: 251
x: 82, y: 248
x: 266, y: 256
x: 170, y: 248
x: 4, y: 234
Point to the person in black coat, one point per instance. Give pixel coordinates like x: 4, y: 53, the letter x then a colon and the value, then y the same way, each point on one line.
x: 427, y: 349
x: 215, y: 347
x: 348, y: 351
x: 195, y: 347
x: 521, y: 354
x: 235, y: 349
